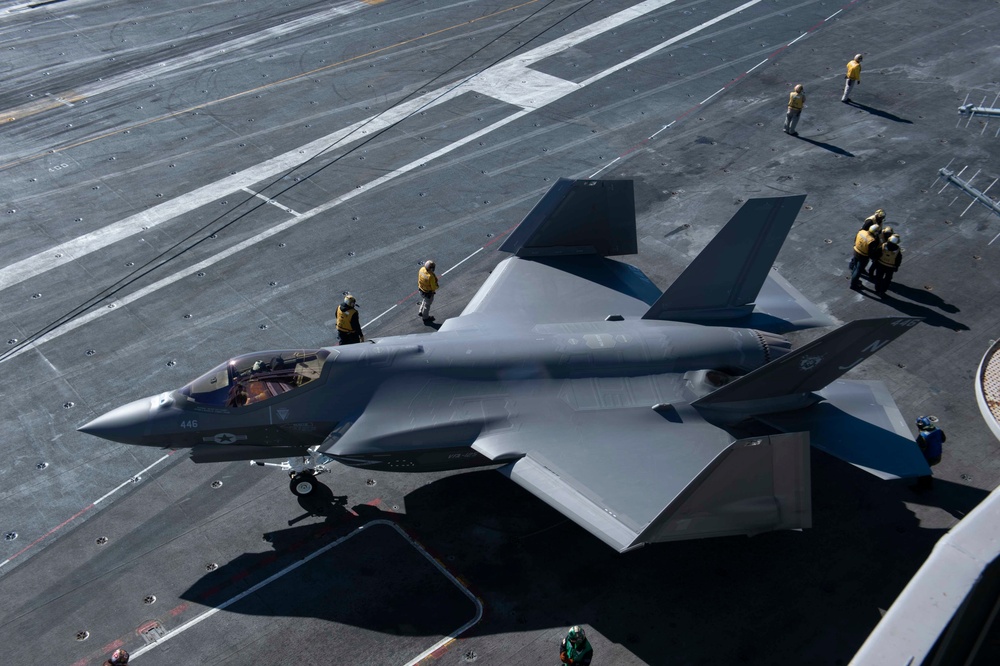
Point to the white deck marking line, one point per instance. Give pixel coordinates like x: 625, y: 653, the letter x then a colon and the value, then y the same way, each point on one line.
x: 82, y: 511
x: 662, y: 128
x: 122, y: 485
x: 157, y: 69
x: 271, y: 201
x: 368, y: 323
x: 673, y: 40
x: 465, y: 627
x: 757, y: 65
x: 711, y: 96
x: 462, y: 262
x: 605, y: 166
x: 500, y: 81
x: 833, y: 14
x: 308, y: 558
x: 797, y: 38
x: 19, y: 271
x: 60, y: 100
x: 262, y: 236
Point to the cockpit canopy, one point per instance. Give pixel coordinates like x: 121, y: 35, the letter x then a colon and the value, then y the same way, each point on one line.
x: 253, y: 378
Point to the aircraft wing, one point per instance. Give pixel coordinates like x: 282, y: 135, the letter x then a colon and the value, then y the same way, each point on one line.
x: 550, y: 290
x: 560, y: 271
x: 636, y: 476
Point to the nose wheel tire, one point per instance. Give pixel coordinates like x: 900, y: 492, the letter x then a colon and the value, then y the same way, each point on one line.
x: 302, y: 484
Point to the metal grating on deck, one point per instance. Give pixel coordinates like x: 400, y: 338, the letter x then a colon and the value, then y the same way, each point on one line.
x: 989, y: 388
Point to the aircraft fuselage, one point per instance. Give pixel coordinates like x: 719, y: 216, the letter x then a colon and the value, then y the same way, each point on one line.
x: 417, y: 402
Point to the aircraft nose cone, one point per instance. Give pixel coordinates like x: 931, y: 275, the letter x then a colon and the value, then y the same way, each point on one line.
x: 127, y: 424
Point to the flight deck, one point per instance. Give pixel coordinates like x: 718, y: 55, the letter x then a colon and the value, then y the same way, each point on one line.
x: 190, y: 183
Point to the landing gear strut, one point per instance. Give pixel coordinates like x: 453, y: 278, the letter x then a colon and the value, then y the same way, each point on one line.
x: 302, y: 471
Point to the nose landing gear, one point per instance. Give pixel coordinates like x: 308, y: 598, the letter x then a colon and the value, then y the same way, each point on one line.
x: 302, y: 471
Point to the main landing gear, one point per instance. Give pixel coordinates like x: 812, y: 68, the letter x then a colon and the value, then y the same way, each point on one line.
x: 302, y: 471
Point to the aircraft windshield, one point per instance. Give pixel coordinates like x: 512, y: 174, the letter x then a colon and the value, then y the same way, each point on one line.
x: 253, y: 378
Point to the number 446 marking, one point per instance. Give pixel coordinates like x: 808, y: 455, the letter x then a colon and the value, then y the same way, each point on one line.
x: 191, y: 423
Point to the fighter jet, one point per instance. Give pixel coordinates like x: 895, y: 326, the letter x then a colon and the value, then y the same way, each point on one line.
x: 642, y: 416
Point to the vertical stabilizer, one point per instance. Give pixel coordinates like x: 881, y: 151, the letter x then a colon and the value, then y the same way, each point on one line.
x: 725, y: 279
x: 578, y: 217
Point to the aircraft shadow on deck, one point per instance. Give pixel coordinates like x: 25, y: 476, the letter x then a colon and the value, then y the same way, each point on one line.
x: 723, y: 600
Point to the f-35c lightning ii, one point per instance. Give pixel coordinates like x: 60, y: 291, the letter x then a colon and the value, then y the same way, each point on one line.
x: 642, y: 416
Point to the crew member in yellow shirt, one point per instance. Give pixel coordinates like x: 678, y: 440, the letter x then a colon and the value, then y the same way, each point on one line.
x: 796, y: 100
x: 427, y: 283
x: 852, y: 78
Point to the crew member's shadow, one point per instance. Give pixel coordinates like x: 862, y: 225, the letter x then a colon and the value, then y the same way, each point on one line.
x: 432, y: 324
x: 955, y: 498
x: 909, y: 308
x: 827, y: 146
x: 880, y: 113
x: 923, y: 296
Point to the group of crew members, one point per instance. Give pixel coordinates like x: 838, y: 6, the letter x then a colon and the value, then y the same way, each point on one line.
x: 349, y: 327
x: 878, y: 243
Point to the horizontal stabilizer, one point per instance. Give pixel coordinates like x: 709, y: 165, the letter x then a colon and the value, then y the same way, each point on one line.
x: 753, y: 485
x: 578, y: 217
x: 859, y: 423
x: 725, y: 278
x: 780, y: 308
x: 813, y: 366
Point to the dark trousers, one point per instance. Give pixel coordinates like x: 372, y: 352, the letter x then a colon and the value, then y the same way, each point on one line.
x: 882, y: 277
x: 348, y: 338
x: 858, y: 264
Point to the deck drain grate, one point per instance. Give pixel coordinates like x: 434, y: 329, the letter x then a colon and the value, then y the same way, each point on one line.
x: 10, y: 536
x: 149, y: 599
x: 152, y: 632
x: 101, y: 540
x: 82, y: 635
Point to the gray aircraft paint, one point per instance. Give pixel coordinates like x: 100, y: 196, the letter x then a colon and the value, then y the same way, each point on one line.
x: 572, y: 371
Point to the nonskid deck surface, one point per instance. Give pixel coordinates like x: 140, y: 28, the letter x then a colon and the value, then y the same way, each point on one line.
x: 166, y: 162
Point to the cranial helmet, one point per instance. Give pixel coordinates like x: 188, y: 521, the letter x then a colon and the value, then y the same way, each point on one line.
x: 925, y: 423
x: 798, y: 88
x: 577, y: 634
x: 894, y: 239
x: 874, y: 229
x: 880, y: 214
x: 858, y: 57
x: 349, y: 300
x: 429, y: 265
